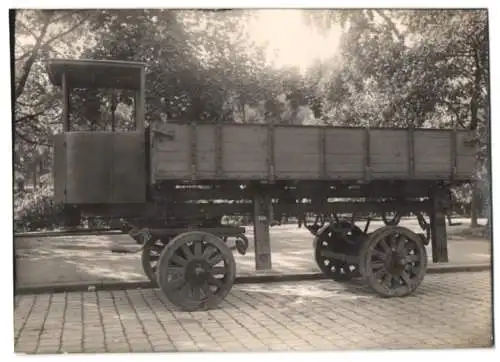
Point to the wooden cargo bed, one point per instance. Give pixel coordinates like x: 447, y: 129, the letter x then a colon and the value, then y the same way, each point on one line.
x: 261, y: 152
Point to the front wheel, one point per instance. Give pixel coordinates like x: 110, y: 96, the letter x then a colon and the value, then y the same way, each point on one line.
x: 196, y: 271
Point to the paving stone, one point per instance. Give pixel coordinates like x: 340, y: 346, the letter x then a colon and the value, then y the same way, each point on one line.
x: 450, y: 311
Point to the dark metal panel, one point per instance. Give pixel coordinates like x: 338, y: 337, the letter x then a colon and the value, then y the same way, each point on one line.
x: 141, y: 103
x: 59, y: 168
x: 89, y: 161
x: 128, y: 171
x: 271, y: 177
x: 65, y: 97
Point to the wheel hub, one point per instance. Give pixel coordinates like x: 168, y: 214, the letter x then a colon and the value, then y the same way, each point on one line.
x: 197, y: 272
x: 395, y: 263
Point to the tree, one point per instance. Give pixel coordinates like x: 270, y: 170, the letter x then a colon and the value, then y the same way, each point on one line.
x: 411, y: 67
x: 40, y: 34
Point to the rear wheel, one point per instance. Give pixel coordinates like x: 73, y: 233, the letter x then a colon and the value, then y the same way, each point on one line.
x: 150, y: 256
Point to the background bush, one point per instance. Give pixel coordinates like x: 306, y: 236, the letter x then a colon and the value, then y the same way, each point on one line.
x: 35, y: 210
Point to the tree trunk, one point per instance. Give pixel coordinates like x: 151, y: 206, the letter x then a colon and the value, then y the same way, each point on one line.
x: 474, y: 205
x: 31, y: 60
x: 474, y: 107
x: 35, y: 178
x: 244, y: 113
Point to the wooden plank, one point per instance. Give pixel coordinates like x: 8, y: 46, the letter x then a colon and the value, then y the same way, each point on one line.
x: 367, y: 155
x: 439, y: 240
x: 466, y: 156
x: 262, y: 237
x: 411, y: 152
x: 219, y: 158
x: 322, y: 154
x: 296, y: 152
x: 453, y: 142
x: 389, y: 153
x: 245, y: 152
x: 171, y: 146
x: 432, y: 154
x: 344, y: 153
x: 205, y: 135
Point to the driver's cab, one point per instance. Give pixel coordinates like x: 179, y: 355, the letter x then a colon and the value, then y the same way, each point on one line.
x: 100, y: 155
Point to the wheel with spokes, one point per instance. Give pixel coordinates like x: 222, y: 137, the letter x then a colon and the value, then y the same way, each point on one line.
x: 344, y: 241
x: 394, y: 261
x: 196, y: 271
x: 150, y: 256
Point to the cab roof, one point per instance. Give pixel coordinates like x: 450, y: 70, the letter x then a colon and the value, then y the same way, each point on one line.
x: 90, y: 73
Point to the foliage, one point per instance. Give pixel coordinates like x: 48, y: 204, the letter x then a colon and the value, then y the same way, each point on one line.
x: 36, y: 210
x: 402, y: 67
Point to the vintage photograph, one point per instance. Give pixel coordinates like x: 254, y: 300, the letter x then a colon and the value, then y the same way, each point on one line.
x: 251, y: 180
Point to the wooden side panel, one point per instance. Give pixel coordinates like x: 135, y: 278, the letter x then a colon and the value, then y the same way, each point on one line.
x: 433, y: 154
x: 389, y: 153
x: 172, y: 151
x: 344, y: 152
x: 205, y: 151
x: 465, y: 156
x: 297, y: 153
x: 244, y: 152
x: 180, y: 151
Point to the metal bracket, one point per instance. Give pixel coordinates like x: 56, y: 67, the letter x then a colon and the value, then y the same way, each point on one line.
x: 470, y: 141
x: 170, y: 134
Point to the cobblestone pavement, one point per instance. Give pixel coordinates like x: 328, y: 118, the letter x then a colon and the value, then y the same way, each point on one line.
x: 447, y: 311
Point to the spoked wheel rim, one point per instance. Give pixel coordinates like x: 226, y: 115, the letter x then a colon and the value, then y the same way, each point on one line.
x: 334, y: 268
x: 151, y: 255
x: 196, y: 271
x: 395, y: 262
